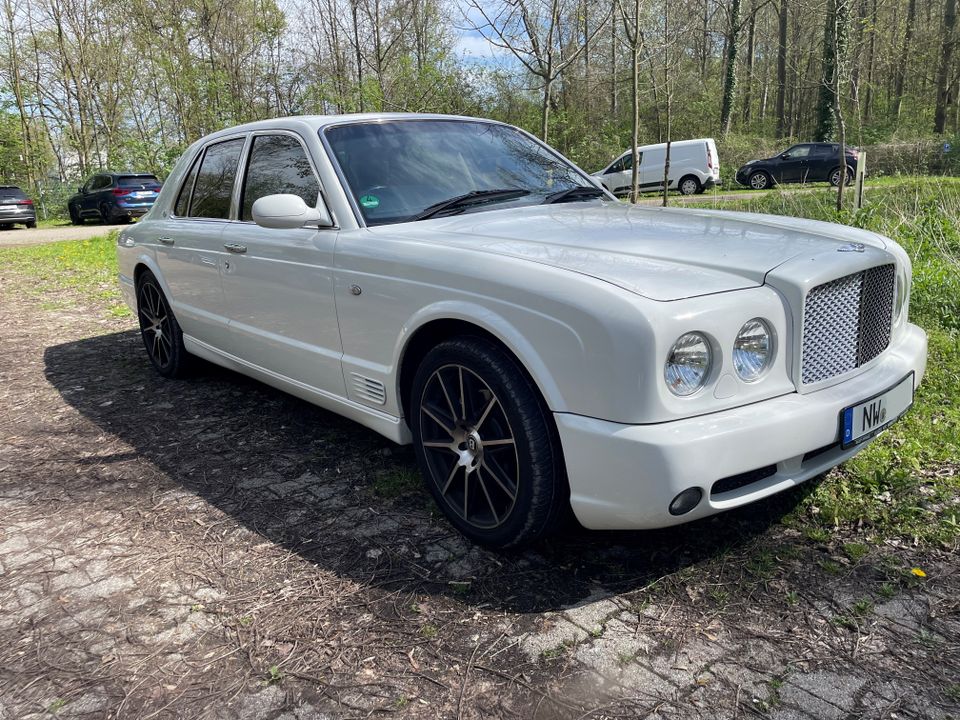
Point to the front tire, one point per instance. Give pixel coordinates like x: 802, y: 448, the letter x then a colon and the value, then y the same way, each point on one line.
x: 160, y: 330
x: 74, y: 216
x: 486, y: 444
x: 689, y: 185
x: 760, y: 180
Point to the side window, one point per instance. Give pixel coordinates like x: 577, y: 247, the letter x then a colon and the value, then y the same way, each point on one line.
x: 218, y: 170
x: 100, y: 182
x: 800, y: 151
x: 623, y: 164
x: 278, y: 164
x: 182, y: 207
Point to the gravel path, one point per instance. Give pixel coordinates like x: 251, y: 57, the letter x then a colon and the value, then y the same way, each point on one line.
x: 213, y: 548
x: 18, y: 236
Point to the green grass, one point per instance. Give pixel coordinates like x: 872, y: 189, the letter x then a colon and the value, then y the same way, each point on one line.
x: 907, y: 483
x: 61, y: 272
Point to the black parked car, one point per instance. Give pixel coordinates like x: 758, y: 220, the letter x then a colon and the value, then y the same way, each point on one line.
x: 807, y: 162
x: 16, y: 207
x: 114, y: 197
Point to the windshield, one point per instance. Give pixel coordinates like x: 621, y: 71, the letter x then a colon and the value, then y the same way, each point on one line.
x: 396, y: 170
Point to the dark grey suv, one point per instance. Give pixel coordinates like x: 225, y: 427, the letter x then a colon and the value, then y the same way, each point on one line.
x: 803, y: 163
x: 114, y: 197
x: 16, y: 207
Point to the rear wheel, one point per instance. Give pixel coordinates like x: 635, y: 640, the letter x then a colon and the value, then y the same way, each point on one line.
x: 835, y: 175
x: 105, y: 216
x: 689, y: 185
x: 760, y: 180
x: 486, y: 444
x: 31, y: 225
x: 160, y: 330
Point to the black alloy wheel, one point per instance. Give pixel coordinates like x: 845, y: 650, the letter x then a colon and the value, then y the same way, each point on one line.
x: 159, y: 329
x: 486, y: 444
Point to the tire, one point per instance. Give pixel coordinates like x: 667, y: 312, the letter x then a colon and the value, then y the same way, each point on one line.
x: 834, y: 176
x: 105, y: 216
x: 74, y: 215
x: 159, y: 329
x: 492, y: 461
x: 689, y: 185
x: 31, y: 225
x: 760, y: 180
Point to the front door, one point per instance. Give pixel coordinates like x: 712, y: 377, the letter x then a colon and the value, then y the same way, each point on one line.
x: 278, y: 284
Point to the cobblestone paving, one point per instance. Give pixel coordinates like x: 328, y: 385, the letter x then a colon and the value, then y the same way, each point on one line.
x: 213, y: 548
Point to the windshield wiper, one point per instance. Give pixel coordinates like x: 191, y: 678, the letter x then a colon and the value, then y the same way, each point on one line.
x: 577, y: 192
x: 474, y: 197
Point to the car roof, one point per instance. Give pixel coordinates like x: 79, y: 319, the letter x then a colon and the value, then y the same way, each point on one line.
x: 318, y: 122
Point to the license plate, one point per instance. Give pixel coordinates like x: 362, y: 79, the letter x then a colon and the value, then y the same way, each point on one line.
x: 9, y: 207
x: 860, y: 422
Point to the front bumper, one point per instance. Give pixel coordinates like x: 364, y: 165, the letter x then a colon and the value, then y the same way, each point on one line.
x: 625, y: 476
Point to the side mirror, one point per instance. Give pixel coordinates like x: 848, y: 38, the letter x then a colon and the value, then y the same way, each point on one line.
x: 785, y: 156
x: 287, y: 212
x: 80, y: 190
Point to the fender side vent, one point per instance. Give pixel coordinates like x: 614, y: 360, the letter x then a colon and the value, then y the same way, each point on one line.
x: 369, y: 389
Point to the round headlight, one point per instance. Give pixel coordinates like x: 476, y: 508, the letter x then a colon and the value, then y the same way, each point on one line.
x: 752, y: 350
x: 688, y: 364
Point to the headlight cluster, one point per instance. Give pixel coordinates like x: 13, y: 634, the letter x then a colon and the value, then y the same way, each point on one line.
x: 691, y: 359
x: 752, y: 350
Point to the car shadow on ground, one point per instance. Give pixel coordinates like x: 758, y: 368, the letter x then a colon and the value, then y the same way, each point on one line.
x: 348, y: 500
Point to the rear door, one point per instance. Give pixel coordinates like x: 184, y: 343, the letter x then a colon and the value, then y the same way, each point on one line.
x: 278, y: 284
x: 89, y: 203
x: 188, y: 246
x: 793, y: 164
x: 823, y: 158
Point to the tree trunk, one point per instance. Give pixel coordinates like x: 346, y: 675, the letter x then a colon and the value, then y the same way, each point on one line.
x: 946, y: 54
x: 900, y: 69
x: 782, y: 70
x: 748, y: 91
x: 730, y: 77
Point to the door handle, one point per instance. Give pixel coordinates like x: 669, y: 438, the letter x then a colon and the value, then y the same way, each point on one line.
x: 165, y: 240
x: 235, y: 248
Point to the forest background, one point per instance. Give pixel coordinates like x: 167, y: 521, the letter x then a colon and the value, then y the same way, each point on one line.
x: 87, y: 85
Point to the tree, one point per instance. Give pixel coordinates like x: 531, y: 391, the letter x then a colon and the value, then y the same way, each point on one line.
x: 943, y: 71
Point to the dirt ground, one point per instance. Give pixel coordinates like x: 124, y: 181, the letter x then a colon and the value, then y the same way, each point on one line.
x: 213, y: 548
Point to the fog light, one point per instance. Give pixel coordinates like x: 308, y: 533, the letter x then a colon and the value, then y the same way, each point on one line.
x: 686, y: 501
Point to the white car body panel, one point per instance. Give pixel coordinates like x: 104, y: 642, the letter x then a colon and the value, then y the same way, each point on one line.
x: 588, y: 296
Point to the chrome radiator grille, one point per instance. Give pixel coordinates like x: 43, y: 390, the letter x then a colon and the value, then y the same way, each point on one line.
x: 846, y: 323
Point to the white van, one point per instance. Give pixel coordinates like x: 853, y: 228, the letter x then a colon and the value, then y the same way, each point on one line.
x: 694, y: 167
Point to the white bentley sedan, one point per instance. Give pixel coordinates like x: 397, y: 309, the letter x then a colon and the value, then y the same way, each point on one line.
x: 457, y: 284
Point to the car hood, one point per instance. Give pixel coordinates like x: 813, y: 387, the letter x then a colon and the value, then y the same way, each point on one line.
x: 659, y: 253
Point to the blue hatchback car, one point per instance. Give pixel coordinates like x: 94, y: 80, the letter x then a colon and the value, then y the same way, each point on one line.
x: 114, y: 197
